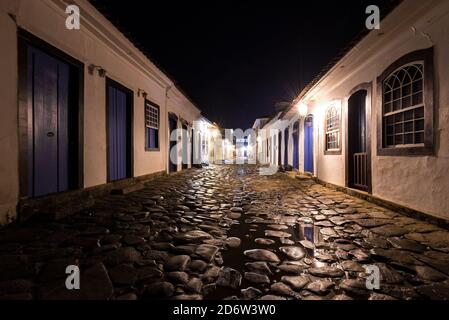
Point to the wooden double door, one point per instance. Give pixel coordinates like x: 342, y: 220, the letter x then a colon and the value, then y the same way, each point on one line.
x: 50, y: 140
x: 119, y: 127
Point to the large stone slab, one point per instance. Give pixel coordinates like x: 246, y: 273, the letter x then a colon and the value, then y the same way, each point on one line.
x: 229, y: 277
x: 206, y: 252
x: 177, y: 263
x: 294, y: 253
x: 326, y: 271
x: 262, y: 255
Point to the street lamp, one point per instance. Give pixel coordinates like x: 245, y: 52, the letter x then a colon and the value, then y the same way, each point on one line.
x: 302, y: 109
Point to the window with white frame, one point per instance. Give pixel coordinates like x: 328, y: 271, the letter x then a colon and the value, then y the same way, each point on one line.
x: 332, y: 127
x: 403, y: 106
x: 406, y: 118
x: 151, y: 126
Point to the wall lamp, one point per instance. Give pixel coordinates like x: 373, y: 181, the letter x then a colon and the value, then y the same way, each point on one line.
x: 302, y: 109
x: 101, y: 71
x: 142, y: 93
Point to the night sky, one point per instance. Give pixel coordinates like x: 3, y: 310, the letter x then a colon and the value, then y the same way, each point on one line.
x: 237, y: 59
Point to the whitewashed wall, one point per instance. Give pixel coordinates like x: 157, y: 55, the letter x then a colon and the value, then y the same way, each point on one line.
x: 419, y: 182
x: 98, y: 42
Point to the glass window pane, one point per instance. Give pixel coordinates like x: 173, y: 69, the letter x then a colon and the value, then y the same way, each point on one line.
x: 398, y: 128
x: 390, y: 140
x: 408, y: 126
x: 396, y: 93
x: 417, y: 98
x: 419, y: 137
x: 406, y: 102
x: 407, y: 90
x: 397, y: 105
x: 408, y: 115
x: 417, y: 86
x: 409, y: 138
x: 419, y: 125
x: 390, y: 130
x: 419, y: 113
x: 399, y: 117
x: 390, y: 120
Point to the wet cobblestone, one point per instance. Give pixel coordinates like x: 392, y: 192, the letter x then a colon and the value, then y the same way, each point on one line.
x: 226, y: 232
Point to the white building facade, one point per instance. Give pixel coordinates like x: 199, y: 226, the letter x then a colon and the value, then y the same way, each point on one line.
x: 81, y: 108
x: 378, y: 120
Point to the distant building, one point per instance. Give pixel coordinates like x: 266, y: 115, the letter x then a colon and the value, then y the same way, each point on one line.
x: 260, y: 152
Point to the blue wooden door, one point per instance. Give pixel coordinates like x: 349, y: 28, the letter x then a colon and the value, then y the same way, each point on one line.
x: 117, y: 133
x: 308, y: 144
x: 286, y: 147
x: 48, y: 125
x: 295, y: 138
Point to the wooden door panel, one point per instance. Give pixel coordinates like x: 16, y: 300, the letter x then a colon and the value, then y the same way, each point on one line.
x: 308, y: 145
x: 118, y: 123
x: 49, y: 154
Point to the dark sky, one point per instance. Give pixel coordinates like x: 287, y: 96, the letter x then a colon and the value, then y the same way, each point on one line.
x: 237, y: 59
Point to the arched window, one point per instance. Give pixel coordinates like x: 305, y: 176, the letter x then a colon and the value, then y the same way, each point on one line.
x: 403, y: 106
x: 406, y: 119
x: 332, y: 127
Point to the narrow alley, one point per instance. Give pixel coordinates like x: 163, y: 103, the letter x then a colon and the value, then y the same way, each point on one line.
x: 226, y: 232
x: 229, y: 153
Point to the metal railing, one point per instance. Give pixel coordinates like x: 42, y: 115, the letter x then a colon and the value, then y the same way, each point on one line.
x: 361, y: 170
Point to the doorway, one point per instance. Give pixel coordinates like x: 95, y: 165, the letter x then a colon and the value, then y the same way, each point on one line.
x: 308, y: 144
x: 49, y: 129
x: 119, y: 130
x: 295, y: 139
x: 358, y: 159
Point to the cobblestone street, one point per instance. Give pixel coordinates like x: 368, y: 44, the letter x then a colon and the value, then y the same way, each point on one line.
x: 225, y: 232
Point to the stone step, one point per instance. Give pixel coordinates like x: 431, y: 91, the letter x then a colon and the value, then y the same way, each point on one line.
x: 304, y: 176
x: 127, y: 189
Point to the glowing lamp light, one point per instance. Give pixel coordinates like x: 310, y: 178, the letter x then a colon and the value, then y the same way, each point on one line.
x: 302, y: 109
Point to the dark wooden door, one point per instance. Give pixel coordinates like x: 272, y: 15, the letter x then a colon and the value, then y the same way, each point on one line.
x: 295, y: 138
x: 308, y: 144
x: 172, y: 163
x: 358, y: 162
x: 49, y: 125
x: 118, y: 133
x: 286, y: 147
